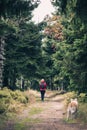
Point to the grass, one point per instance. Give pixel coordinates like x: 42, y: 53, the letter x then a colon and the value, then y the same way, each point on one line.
x: 82, y: 110
x: 35, y: 110
x: 70, y: 121
x: 82, y: 113
x: 18, y: 104
x: 24, y: 122
x: 28, y: 121
x: 3, y: 120
x: 13, y: 103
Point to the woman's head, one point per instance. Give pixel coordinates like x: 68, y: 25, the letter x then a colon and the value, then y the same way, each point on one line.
x: 42, y: 80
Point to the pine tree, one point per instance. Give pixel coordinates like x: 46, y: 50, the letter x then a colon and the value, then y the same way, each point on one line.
x: 10, y: 9
x: 75, y: 23
x: 22, y: 54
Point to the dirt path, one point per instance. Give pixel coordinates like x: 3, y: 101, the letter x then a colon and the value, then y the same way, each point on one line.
x: 48, y: 116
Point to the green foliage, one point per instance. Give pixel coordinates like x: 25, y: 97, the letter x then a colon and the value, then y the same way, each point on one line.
x: 15, y: 94
x: 82, y: 114
x: 12, y: 14
x: 71, y: 60
x: 72, y: 94
x: 63, y: 63
x: 5, y: 100
x: 18, y: 8
x: 11, y: 101
x: 35, y: 110
x: 83, y: 97
x: 69, y: 96
x: 3, y: 106
x: 5, y: 94
x: 72, y: 6
x: 5, y: 28
x: 22, y: 54
x: 22, y: 99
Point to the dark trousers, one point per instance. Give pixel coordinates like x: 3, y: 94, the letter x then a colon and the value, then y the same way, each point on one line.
x: 42, y: 95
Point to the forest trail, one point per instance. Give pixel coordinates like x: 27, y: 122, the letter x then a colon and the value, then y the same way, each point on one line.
x: 47, y: 115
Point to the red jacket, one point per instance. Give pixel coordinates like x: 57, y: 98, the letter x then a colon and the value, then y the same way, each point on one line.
x: 45, y: 86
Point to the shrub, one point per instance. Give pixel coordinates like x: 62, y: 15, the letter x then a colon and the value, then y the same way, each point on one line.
x: 82, y: 111
x: 82, y: 114
x: 22, y: 99
x: 4, y: 94
x: 3, y: 106
x: 30, y: 96
x: 82, y: 97
x: 16, y: 94
x: 5, y: 99
x: 14, y: 101
x: 68, y: 97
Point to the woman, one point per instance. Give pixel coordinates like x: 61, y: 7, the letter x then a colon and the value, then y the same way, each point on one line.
x: 43, y: 87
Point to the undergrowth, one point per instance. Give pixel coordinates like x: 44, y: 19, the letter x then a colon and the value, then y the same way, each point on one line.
x: 82, y: 110
x: 14, y: 101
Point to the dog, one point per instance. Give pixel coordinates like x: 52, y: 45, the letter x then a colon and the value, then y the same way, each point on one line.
x: 72, y: 109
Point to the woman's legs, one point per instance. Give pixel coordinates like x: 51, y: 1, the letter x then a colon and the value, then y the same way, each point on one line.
x: 42, y: 95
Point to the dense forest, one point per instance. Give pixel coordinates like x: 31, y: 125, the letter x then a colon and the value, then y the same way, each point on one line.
x: 54, y: 49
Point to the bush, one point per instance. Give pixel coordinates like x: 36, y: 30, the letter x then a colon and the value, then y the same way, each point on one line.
x: 82, y: 111
x: 13, y: 101
x: 82, y: 97
x: 22, y: 99
x: 68, y: 97
x: 3, y: 106
x: 82, y: 114
x: 30, y: 96
x: 16, y: 94
x: 5, y: 99
x: 4, y: 94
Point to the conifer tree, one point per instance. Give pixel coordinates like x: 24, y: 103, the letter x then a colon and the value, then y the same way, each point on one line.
x: 22, y: 54
x: 19, y: 10
x: 75, y: 23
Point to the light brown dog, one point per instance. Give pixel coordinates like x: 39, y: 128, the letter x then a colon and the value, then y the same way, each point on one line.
x: 72, y: 109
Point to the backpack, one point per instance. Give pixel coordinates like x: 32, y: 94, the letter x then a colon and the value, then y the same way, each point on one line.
x: 42, y: 85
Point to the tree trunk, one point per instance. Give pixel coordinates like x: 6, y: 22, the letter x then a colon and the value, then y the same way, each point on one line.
x: 51, y: 82
x: 2, y: 43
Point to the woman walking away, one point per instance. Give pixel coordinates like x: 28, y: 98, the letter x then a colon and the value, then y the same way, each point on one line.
x: 43, y: 87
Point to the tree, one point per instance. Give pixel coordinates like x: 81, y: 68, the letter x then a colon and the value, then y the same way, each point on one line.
x: 54, y: 28
x: 52, y: 36
x: 4, y: 30
x: 75, y: 27
x: 18, y: 8
x: 22, y: 54
x: 10, y: 9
